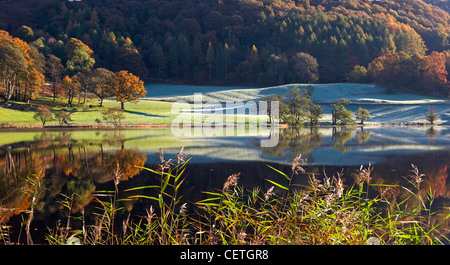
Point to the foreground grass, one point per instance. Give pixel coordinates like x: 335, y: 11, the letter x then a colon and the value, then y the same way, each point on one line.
x: 322, y: 212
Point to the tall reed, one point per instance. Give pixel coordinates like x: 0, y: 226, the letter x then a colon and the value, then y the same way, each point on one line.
x: 325, y: 211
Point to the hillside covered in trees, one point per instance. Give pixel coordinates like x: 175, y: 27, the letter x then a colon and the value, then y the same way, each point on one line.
x: 401, y: 44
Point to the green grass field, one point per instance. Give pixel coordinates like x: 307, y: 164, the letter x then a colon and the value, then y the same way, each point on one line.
x: 144, y: 112
x: 147, y: 112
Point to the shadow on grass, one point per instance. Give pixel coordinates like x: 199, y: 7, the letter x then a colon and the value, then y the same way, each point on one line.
x: 145, y: 114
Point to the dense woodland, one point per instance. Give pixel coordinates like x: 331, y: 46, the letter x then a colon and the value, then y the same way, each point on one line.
x: 401, y: 44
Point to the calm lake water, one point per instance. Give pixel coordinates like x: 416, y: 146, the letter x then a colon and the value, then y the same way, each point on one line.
x: 82, y: 162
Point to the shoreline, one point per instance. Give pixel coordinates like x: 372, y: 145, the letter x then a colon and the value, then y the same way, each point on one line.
x: 27, y: 126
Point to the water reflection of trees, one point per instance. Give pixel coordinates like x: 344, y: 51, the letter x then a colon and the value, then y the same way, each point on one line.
x: 434, y: 166
x: 341, y: 136
x: 294, y: 141
x: 63, y: 166
x: 391, y: 180
x: 15, y: 168
x: 362, y: 136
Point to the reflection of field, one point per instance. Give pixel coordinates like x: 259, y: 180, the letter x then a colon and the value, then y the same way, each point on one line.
x: 329, y: 146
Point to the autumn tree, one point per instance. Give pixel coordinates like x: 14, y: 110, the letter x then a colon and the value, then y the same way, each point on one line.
x: 79, y: 56
x: 32, y: 82
x: 100, y: 87
x: 446, y: 55
x: 69, y: 87
x: 385, y: 70
x: 79, y: 63
x: 425, y: 74
x: 21, y: 68
x: 433, y: 73
x: 14, y: 61
x: 54, y: 70
x: 303, y: 68
x: 43, y: 114
x: 63, y: 117
x: 83, y: 82
x: 126, y: 87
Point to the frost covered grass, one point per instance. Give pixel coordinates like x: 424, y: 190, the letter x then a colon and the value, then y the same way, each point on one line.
x: 383, y: 106
x: 323, y: 93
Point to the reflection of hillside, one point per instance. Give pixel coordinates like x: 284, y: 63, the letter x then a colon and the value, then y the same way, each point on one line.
x: 435, y: 167
x: 15, y: 168
x: 437, y: 181
x: 71, y: 169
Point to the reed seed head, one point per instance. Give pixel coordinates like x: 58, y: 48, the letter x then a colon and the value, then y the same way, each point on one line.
x: 232, y: 181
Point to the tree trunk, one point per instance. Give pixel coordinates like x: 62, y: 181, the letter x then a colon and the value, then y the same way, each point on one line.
x: 85, y: 93
x: 333, y: 117
x: 25, y: 94
x: 9, y: 91
x: 122, y: 105
x: 71, y: 95
x: 54, y: 92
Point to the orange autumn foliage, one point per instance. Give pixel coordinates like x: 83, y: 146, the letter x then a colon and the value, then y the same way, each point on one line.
x: 435, y: 180
x: 129, y: 162
x: 23, y: 75
x: 126, y: 87
x: 425, y: 74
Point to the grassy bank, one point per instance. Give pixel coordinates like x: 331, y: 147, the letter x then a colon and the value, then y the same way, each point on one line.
x: 384, y: 107
x: 144, y: 112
